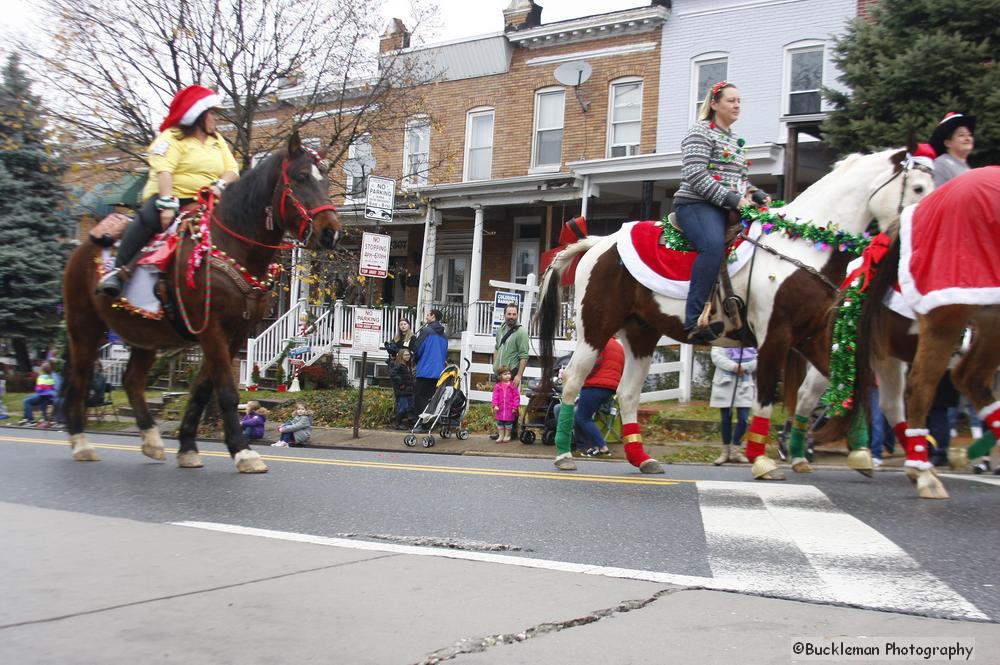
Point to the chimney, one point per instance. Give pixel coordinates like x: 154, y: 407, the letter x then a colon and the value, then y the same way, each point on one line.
x: 865, y: 8
x: 521, y: 14
x: 396, y: 36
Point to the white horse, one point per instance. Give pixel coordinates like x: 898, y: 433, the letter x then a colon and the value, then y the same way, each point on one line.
x: 787, y: 305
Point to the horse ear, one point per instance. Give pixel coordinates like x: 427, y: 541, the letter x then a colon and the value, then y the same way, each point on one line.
x: 295, y: 144
x: 911, y: 140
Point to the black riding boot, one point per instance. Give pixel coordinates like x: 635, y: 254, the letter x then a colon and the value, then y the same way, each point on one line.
x: 135, y: 238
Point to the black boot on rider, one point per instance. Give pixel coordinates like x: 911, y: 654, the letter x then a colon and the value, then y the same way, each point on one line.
x: 143, y: 227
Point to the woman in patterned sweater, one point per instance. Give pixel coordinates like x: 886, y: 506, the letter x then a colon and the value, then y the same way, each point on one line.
x: 714, y: 170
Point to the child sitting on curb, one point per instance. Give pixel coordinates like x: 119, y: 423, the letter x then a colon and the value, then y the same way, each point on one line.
x: 253, y: 422
x: 298, y: 431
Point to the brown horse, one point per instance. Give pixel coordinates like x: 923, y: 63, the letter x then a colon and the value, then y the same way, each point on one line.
x: 236, y: 242
x: 788, y: 290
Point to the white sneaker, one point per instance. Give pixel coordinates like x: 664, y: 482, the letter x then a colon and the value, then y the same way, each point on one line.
x: 876, y: 463
x: 279, y: 444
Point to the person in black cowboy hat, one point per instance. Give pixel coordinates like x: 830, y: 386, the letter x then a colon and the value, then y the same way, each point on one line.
x: 953, y: 140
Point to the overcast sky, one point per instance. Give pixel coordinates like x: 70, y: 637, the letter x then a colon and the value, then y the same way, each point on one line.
x: 457, y: 18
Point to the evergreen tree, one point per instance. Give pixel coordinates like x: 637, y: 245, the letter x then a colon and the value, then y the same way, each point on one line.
x: 914, y: 61
x: 33, y: 218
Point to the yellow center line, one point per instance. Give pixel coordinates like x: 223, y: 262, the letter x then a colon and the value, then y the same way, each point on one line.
x: 397, y: 466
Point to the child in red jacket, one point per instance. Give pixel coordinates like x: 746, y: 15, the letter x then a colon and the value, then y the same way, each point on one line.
x: 506, y: 399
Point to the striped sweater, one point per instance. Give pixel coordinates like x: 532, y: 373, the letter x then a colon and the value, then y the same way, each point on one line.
x: 714, y: 166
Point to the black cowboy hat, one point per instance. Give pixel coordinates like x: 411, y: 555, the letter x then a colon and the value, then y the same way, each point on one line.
x: 949, y: 123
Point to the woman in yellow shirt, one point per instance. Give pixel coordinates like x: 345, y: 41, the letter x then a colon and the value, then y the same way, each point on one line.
x: 187, y: 155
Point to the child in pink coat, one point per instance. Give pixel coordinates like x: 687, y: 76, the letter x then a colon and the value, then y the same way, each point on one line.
x: 506, y: 399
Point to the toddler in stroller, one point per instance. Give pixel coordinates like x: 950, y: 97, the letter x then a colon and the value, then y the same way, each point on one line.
x: 445, y: 411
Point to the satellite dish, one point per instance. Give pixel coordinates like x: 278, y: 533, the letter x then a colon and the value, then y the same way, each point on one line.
x: 573, y: 73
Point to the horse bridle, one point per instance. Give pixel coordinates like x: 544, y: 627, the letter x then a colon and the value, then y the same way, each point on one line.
x: 907, y: 166
x: 306, y: 216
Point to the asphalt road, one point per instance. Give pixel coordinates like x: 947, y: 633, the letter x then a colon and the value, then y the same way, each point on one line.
x: 829, y: 537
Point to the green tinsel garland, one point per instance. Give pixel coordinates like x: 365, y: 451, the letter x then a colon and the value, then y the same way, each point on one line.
x: 823, y: 237
x: 843, y: 366
x: 675, y: 239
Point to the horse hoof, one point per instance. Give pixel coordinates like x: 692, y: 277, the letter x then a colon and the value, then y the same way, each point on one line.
x: 82, y: 450
x: 651, y: 466
x: 86, y: 455
x: 958, y: 458
x: 764, y: 468
x: 801, y: 465
x: 154, y: 452
x: 249, y: 461
x: 929, y: 487
x: 152, y: 444
x: 861, y: 461
x: 911, y: 474
x: 565, y: 463
x: 189, y: 460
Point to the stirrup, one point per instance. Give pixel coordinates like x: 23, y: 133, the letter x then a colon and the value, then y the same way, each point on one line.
x: 111, y: 284
x: 705, y: 334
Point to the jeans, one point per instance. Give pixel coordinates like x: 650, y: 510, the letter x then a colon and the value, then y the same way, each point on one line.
x: 937, y: 423
x: 404, y: 403
x: 43, y: 402
x: 705, y: 227
x: 728, y: 436
x: 249, y: 434
x: 881, y: 433
x: 590, y: 400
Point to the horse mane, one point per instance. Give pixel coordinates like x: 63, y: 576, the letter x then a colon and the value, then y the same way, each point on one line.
x: 847, y: 164
x: 242, y: 208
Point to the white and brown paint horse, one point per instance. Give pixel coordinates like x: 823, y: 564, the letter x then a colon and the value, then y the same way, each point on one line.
x: 787, y: 304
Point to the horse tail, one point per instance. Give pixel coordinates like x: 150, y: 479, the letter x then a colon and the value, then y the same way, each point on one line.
x: 870, y: 345
x: 550, y: 308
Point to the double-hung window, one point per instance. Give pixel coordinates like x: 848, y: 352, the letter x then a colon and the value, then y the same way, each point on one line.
x: 479, y: 144
x: 707, y: 72
x: 624, y: 117
x: 358, y: 167
x: 805, y: 77
x: 416, y: 153
x: 549, y: 107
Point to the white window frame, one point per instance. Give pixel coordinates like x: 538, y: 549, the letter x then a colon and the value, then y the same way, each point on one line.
x: 535, y: 166
x: 352, y: 154
x: 530, y: 244
x: 469, y: 117
x: 420, y: 178
x: 628, y: 80
x: 716, y: 57
x: 803, y: 46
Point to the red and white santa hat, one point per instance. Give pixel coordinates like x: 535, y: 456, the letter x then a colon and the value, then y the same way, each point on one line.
x: 923, y: 155
x: 188, y: 104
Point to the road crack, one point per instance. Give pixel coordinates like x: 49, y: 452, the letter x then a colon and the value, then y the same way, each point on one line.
x: 480, y: 644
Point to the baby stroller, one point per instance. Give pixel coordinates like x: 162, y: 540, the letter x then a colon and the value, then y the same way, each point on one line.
x: 446, y: 410
x: 543, y: 416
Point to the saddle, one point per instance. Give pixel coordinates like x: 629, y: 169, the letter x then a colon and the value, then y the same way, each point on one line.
x: 723, y: 303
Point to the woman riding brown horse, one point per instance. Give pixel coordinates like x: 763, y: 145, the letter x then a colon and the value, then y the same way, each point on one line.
x: 219, y: 282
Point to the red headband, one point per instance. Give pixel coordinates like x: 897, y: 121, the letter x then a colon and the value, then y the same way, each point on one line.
x: 718, y: 86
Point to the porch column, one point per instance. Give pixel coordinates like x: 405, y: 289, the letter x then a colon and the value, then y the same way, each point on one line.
x: 426, y: 293
x: 476, y: 269
x: 585, y: 195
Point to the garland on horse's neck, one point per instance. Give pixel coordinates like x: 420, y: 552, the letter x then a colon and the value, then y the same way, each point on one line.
x: 843, y: 362
x: 822, y: 237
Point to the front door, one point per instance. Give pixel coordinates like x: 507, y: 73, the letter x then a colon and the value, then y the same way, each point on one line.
x: 451, y: 278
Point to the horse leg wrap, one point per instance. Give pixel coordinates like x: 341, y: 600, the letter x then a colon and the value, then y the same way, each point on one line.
x: 634, y: 451
x: 857, y: 432
x: 564, y: 429
x: 760, y: 427
x: 917, y: 445
x: 991, y: 418
x: 797, y: 442
x: 900, y: 431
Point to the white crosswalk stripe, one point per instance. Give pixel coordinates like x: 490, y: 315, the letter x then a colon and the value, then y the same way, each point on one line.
x: 831, y: 556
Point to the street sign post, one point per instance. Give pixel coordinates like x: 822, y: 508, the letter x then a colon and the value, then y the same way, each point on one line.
x: 374, y: 255
x: 380, y: 198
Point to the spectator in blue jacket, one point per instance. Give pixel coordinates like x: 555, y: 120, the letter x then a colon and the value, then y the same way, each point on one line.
x: 431, y: 351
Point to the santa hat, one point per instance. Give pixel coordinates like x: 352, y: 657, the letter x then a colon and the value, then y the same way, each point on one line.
x: 924, y: 155
x: 188, y: 104
x: 949, y: 123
